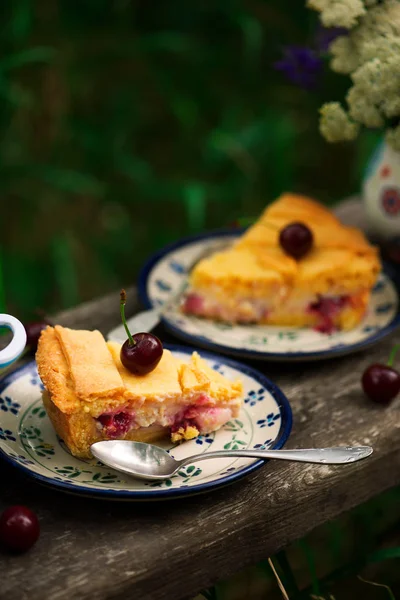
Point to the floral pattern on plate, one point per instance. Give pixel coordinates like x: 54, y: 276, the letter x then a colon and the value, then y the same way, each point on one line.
x: 170, y: 267
x: 28, y: 440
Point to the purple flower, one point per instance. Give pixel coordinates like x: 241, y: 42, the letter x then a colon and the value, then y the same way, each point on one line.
x: 326, y: 35
x: 301, y: 65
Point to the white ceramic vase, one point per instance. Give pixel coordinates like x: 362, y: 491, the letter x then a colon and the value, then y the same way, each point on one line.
x: 381, y: 195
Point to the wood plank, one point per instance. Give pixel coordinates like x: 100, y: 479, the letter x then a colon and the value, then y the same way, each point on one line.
x: 96, y: 550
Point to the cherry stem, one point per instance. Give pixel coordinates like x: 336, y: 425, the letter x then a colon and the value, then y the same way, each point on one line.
x: 392, y: 355
x: 122, y: 307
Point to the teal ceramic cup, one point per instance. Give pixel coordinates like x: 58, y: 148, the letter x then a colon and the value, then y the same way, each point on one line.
x: 15, y: 348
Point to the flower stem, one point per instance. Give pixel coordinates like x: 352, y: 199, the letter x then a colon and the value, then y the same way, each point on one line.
x: 392, y: 355
x: 122, y: 308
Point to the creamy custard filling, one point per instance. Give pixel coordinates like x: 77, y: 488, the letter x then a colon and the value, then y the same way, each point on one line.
x: 91, y: 396
x: 243, y: 310
x: 325, y: 308
x: 202, y: 414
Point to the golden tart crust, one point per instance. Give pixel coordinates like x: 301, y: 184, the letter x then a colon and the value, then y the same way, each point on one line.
x: 341, y: 263
x: 85, y: 379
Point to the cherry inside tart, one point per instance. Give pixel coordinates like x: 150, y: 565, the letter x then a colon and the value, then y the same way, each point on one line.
x: 90, y: 396
x: 256, y: 281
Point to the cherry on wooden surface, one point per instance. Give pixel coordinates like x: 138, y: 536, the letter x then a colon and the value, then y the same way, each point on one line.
x: 19, y: 528
x: 380, y: 382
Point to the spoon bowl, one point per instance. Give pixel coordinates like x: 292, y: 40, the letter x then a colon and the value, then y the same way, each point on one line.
x: 146, y: 461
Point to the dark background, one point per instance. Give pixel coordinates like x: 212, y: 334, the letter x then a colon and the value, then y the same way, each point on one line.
x: 125, y: 125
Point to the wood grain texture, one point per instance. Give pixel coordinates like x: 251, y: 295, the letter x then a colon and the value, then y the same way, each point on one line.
x: 170, y: 550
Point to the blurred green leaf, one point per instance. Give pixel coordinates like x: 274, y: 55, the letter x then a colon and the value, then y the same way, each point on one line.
x: 289, y: 579
x: 384, y: 554
x: 170, y: 41
x: 64, y: 270
x: 26, y: 57
x: 28, y: 280
x: 195, y: 200
x: 137, y: 169
x: 21, y: 20
x: 15, y: 94
x: 174, y: 112
x: 69, y: 180
x: 309, y: 556
x: 181, y: 104
x: 252, y: 39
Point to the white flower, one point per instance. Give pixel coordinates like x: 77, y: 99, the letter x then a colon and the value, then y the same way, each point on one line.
x: 338, y: 13
x: 370, y: 54
x: 345, y: 55
x: 379, y: 82
x: 335, y: 124
x: 362, y: 110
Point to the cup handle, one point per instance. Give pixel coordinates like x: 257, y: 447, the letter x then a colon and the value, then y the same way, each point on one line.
x: 17, y: 345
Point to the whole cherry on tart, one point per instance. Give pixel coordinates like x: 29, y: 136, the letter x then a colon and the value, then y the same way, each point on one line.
x: 296, y: 239
x: 141, y: 352
x: 381, y: 383
x: 19, y: 528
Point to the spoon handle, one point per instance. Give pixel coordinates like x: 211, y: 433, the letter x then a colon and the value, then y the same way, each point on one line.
x: 328, y: 456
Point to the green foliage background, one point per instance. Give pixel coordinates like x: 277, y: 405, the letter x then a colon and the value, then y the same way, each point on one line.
x: 125, y: 125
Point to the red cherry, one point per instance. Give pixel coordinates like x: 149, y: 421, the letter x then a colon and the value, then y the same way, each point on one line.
x: 116, y: 426
x: 141, y: 352
x: 19, y: 528
x: 296, y: 239
x: 33, y: 331
x: 381, y: 383
x: 144, y: 355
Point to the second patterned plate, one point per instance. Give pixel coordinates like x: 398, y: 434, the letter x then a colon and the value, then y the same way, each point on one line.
x: 165, y: 273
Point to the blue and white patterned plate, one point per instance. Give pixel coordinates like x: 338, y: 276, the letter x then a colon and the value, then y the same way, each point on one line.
x: 28, y: 440
x: 166, y: 271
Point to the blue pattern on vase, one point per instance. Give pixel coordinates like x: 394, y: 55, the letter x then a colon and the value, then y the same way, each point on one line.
x: 255, y: 396
x: 7, y: 405
x: 269, y: 420
x: 6, y: 434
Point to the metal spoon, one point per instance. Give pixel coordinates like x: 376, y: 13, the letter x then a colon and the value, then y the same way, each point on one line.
x: 146, y: 461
